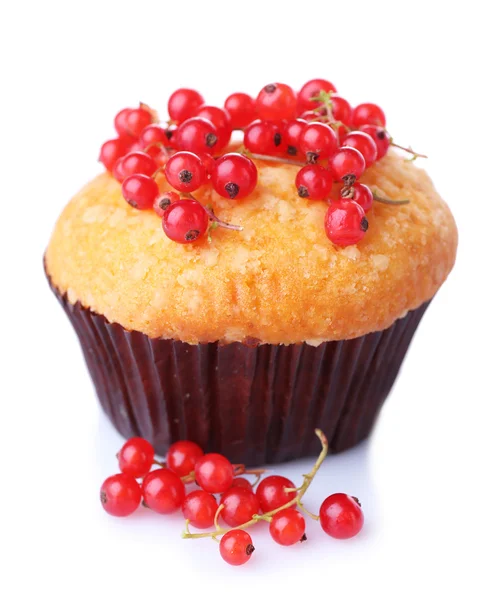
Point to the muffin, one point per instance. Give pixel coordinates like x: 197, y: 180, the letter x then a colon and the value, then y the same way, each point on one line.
x: 245, y: 341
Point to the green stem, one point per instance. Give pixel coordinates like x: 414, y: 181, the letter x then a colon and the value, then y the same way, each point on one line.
x: 383, y: 200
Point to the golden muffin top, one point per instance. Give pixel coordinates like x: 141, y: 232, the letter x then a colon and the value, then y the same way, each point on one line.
x: 280, y: 280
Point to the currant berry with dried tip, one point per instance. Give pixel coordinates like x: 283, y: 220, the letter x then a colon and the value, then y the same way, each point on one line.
x: 239, y: 506
x: 288, y: 527
x: 136, y: 457
x: 236, y: 547
x: 163, y: 491
x: 112, y: 150
x: 200, y: 508
x: 347, y: 165
x: 241, y: 108
x: 197, y: 135
x: 263, y: 137
x: 364, y: 144
x: 222, y: 122
x: 314, y: 182
x: 214, y: 473
x: 292, y: 131
x: 368, y: 114
x: 120, y: 495
x: 163, y: 202
x: 234, y: 176
x: 318, y: 142
x: 312, y: 89
x: 341, y: 516
x: 185, y: 221
x: 185, y: 171
x: 359, y: 193
x: 140, y: 191
x: 345, y: 223
x: 183, y: 104
x: 182, y: 456
x: 380, y: 137
x: 276, y: 101
x: 271, y: 492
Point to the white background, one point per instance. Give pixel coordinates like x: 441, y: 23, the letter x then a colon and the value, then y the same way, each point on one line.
x: 66, y: 68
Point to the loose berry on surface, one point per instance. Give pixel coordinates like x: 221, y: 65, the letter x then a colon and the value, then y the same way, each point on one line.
x: 163, y: 491
x: 276, y: 101
x: 271, y: 492
x: 182, y: 456
x: 197, y: 135
x: 183, y: 104
x: 234, y: 176
x: 200, y: 508
x: 185, y: 171
x: 288, y: 527
x: 340, y: 516
x: 236, y: 547
x: 136, y: 457
x: 214, y: 473
x: 140, y: 191
x: 345, y: 223
x: 241, y: 108
x: 185, y: 221
x: 314, y: 182
x: 239, y: 506
x: 120, y: 495
x: 163, y: 202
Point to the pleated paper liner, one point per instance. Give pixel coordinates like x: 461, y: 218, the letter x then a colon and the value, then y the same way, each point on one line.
x: 256, y: 405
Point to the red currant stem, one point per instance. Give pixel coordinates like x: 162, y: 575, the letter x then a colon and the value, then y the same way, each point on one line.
x: 257, y: 480
x: 159, y: 463
x: 409, y: 150
x: 213, y: 217
x: 310, y: 514
x: 267, y: 516
x: 216, y: 516
x: 383, y: 200
x: 242, y: 470
x: 278, y: 159
x: 190, y: 478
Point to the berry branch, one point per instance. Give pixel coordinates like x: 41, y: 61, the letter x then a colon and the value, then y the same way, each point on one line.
x: 297, y: 501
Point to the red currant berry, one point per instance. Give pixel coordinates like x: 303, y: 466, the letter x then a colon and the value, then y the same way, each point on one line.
x: 120, y: 495
x: 214, y: 473
x: 197, y: 135
x: 138, y: 163
x: 288, y: 527
x: 380, y: 137
x: 136, y: 120
x: 209, y: 163
x: 153, y: 137
x: 182, y: 456
x: 241, y: 109
x: 236, y: 547
x: 117, y: 171
x: 163, y: 202
x: 140, y: 191
x: 364, y: 144
x: 347, y: 165
x: 314, y: 182
x: 183, y: 104
x: 271, y: 492
x: 311, y: 89
x: 262, y: 137
x: 112, y: 150
x: 200, y: 508
x: 241, y: 482
x: 318, y: 141
x: 368, y: 114
x: 345, y: 223
x: 292, y: 132
x: 220, y: 119
x: 185, y: 221
x: 185, y: 171
x: 276, y: 101
x: 163, y: 491
x: 235, y: 176
x: 239, y: 506
x: 359, y: 193
x: 340, y: 516
x: 342, y: 110
x: 136, y: 457
x: 120, y: 122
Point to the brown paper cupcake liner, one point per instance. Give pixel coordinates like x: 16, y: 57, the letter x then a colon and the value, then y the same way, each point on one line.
x: 256, y: 405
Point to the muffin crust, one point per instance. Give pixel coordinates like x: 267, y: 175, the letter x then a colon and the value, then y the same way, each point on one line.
x: 279, y: 281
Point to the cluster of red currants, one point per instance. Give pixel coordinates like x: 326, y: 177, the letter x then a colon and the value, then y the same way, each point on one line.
x: 275, y: 500
x: 315, y: 126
